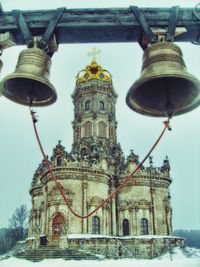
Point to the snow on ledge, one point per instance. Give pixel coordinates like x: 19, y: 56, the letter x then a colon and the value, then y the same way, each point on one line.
x: 93, y: 236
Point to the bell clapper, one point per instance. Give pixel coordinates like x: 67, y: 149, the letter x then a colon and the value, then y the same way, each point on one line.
x: 31, y: 97
x: 169, y: 107
x: 169, y: 112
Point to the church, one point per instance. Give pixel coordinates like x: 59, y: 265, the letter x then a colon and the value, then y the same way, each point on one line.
x: 92, y: 170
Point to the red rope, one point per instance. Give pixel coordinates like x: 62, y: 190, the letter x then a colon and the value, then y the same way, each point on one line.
x: 166, y: 123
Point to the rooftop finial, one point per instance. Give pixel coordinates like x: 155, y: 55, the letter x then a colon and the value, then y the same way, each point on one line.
x: 151, y: 161
x: 93, y: 53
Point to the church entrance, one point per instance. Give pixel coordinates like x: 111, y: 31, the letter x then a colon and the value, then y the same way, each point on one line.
x: 57, y: 226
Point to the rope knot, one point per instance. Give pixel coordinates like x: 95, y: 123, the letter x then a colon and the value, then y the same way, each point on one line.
x: 33, y: 116
x: 167, y: 124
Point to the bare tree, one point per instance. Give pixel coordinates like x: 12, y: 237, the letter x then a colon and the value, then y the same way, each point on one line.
x: 16, y: 231
x: 18, y: 221
x: 18, y: 224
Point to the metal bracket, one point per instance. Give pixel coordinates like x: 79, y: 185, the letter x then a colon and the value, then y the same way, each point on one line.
x: 51, y: 27
x: 28, y: 39
x: 172, y: 23
x: 144, y: 25
x: 197, y: 42
x: 195, y: 14
x: 1, y: 8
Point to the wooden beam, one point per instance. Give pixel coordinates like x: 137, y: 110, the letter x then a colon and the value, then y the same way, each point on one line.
x: 100, y: 25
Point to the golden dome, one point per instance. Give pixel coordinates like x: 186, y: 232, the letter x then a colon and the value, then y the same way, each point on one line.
x: 94, y: 71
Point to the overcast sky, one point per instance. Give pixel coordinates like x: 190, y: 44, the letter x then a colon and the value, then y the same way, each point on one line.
x: 20, y: 154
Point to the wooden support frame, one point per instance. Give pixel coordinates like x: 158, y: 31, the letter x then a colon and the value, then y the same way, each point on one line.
x: 172, y: 23
x: 100, y: 25
x: 51, y: 27
x: 23, y: 27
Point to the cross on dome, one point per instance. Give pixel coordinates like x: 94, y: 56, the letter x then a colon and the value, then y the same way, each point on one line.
x: 93, y: 71
x: 93, y: 53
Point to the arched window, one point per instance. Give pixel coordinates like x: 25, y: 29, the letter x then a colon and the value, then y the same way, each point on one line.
x: 95, y: 225
x: 125, y: 227
x: 101, y: 105
x: 87, y: 105
x: 102, y: 129
x: 144, y: 226
x: 88, y: 129
x: 59, y: 161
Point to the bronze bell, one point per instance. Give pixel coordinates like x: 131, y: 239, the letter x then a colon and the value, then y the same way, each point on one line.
x: 165, y: 87
x: 29, y: 83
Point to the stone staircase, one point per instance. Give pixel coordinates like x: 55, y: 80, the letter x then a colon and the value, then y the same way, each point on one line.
x: 52, y: 252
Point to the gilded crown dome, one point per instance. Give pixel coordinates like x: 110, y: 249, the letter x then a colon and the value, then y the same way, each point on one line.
x: 94, y: 71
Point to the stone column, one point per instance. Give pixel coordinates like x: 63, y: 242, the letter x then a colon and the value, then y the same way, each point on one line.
x: 47, y: 224
x: 84, y: 206
x: 113, y: 216
x: 152, y: 195
x: 108, y: 219
x: 131, y: 220
x: 170, y: 222
x: 113, y: 210
x: 167, y: 220
x: 151, y: 221
x: 45, y: 210
x: 135, y: 222
x: 104, y: 220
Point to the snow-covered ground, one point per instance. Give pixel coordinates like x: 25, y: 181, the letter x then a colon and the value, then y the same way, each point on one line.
x: 188, y: 257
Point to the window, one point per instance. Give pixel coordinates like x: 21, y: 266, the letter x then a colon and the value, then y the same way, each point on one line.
x: 102, y: 129
x: 86, y: 76
x: 59, y: 161
x: 95, y: 225
x: 101, y: 105
x: 84, y: 152
x: 87, y: 105
x: 88, y: 129
x: 125, y: 227
x: 112, y: 133
x: 144, y: 226
x: 101, y: 75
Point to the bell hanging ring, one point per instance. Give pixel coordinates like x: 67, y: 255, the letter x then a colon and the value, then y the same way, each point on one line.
x: 29, y: 84
x: 165, y: 87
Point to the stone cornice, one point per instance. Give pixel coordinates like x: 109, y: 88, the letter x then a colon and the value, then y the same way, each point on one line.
x: 36, y: 191
x: 88, y: 88
x: 146, y: 180
x: 77, y: 173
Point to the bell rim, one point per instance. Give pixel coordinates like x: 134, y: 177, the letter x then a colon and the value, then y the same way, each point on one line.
x: 144, y: 78
x: 45, y: 81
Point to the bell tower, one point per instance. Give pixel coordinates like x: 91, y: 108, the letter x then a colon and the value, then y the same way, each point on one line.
x: 94, y: 122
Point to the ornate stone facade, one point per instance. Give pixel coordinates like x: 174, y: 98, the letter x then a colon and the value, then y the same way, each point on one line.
x: 93, y: 169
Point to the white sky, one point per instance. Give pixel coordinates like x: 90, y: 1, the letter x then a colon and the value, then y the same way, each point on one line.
x: 48, y: 4
x: 20, y: 154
